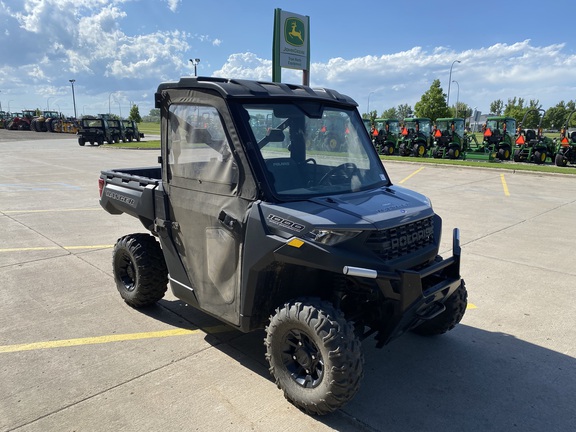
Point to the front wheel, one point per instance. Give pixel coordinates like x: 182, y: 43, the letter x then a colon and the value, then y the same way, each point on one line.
x: 561, y: 160
x: 388, y: 150
x: 419, y: 150
x: 504, y: 153
x: 314, y: 355
x: 540, y: 157
x: 139, y: 270
x: 454, y: 153
x: 455, y: 308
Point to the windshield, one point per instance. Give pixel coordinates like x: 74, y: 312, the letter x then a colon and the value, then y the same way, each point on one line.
x: 456, y: 126
x: 308, y: 150
x: 92, y: 123
x: 393, y: 125
x: 501, y: 125
x: 419, y: 126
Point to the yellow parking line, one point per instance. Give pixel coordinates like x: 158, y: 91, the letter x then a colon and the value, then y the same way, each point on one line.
x: 471, y: 306
x: 504, y: 185
x: 108, y: 338
x: 45, y: 248
x: 411, y: 175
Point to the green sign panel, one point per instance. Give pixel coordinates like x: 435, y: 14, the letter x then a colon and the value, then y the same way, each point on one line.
x: 294, y: 31
x: 291, y: 42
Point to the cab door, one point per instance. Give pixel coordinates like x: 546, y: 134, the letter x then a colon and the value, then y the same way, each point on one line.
x: 205, y: 207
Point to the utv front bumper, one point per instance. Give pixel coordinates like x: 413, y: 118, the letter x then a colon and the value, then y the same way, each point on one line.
x: 417, y: 295
x: 420, y: 294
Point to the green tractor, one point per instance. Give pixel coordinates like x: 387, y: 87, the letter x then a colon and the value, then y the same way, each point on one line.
x: 416, y: 137
x: 566, y: 149
x: 333, y: 133
x: 450, y: 140
x: 386, y: 141
x: 499, y: 136
x: 531, y: 144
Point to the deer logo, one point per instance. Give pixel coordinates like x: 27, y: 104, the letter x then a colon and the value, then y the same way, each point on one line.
x: 293, y: 32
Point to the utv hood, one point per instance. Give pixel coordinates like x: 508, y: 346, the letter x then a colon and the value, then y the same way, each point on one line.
x: 375, y: 209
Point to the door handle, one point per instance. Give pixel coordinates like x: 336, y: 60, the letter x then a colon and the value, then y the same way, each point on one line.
x: 227, y: 220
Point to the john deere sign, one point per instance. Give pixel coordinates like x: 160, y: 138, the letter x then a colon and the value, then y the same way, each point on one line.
x: 291, y: 42
x: 294, y: 33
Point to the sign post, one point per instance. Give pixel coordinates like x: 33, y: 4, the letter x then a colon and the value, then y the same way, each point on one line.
x: 291, y: 45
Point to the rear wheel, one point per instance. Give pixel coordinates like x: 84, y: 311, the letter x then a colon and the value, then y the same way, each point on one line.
x: 139, y: 270
x: 455, y: 308
x: 332, y: 143
x: 314, y: 355
x: 81, y: 142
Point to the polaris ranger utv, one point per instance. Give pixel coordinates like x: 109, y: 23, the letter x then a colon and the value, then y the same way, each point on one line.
x: 318, y: 248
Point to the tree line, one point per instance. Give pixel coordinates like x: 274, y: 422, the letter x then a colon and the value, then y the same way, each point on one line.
x: 433, y: 105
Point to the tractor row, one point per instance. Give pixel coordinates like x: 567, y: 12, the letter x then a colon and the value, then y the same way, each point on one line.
x: 17, y: 121
x: 447, y: 138
x: 48, y: 121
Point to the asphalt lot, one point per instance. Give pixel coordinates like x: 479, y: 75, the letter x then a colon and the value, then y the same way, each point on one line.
x: 75, y: 357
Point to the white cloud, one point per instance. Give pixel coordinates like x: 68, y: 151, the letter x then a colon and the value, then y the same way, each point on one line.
x: 173, y: 4
x: 89, y: 40
x: 500, y: 71
x: 246, y: 66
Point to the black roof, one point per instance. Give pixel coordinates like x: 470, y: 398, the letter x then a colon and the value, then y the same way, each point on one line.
x: 240, y: 88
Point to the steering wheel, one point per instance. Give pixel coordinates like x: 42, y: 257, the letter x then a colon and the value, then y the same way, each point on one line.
x: 345, y: 170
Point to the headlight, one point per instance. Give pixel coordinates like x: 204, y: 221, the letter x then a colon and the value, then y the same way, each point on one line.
x: 331, y: 237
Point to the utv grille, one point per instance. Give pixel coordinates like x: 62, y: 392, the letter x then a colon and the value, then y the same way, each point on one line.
x: 397, y: 242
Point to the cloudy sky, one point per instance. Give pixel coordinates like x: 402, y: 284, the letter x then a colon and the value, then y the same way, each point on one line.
x: 382, y: 54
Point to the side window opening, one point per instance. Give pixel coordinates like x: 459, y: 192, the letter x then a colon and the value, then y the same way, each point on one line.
x: 198, y: 149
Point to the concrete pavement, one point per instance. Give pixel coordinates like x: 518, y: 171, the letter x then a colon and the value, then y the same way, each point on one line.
x: 74, y: 357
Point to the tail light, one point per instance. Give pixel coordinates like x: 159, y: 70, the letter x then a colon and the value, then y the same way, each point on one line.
x: 100, y: 186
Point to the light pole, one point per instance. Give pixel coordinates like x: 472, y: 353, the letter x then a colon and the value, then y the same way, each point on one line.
x: 449, y: 81
x: 11, y: 100
x: 72, y: 81
x: 109, y: 110
x: 457, y: 96
x: 368, y: 107
x: 194, y: 63
x: 0, y: 102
